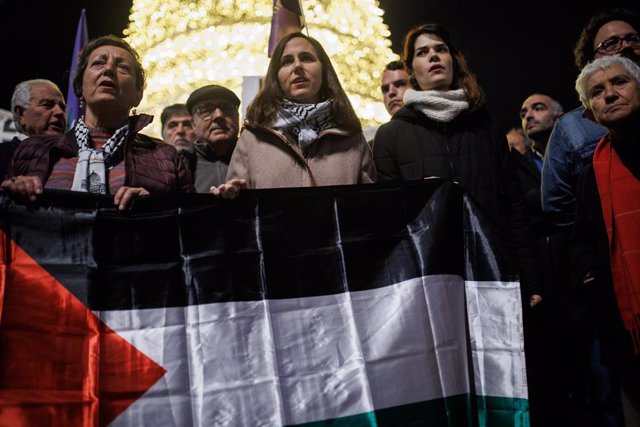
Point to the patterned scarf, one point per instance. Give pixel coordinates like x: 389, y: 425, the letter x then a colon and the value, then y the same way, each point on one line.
x: 91, y: 175
x: 439, y: 105
x: 619, y: 193
x: 304, y: 121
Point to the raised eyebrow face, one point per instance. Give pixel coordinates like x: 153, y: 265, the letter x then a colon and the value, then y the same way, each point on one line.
x: 438, y: 47
x: 395, y: 83
x: 616, y: 79
x: 50, y: 103
x: 120, y: 60
x: 174, y: 123
x: 535, y: 106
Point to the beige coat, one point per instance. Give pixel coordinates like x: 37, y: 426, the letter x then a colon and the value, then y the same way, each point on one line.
x: 266, y: 159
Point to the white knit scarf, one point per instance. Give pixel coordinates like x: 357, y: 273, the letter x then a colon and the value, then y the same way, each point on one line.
x: 439, y: 105
x: 304, y: 121
x: 90, y: 175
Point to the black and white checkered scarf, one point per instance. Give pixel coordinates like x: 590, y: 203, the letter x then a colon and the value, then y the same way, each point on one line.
x: 304, y: 121
x: 91, y: 175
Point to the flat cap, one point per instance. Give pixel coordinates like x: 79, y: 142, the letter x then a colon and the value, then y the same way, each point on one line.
x: 211, y: 93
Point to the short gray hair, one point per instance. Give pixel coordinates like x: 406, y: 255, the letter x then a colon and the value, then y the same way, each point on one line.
x: 601, y: 64
x: 556, y: 107
x: 22, y: 97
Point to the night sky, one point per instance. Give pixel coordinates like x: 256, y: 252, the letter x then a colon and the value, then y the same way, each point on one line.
x: 514, y: 50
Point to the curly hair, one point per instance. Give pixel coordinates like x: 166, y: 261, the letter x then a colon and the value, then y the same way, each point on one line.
x: 583, y: 51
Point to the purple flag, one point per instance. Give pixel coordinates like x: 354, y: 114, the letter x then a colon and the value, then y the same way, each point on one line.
x: 286, y: 19
x: 82, y: 38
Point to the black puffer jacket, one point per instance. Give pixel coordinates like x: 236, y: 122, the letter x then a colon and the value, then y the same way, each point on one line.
x: 471, y: 150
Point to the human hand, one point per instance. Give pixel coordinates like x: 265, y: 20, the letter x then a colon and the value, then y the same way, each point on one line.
x: 26, y: 188
x: 229, y: 190
x: 125, y: 195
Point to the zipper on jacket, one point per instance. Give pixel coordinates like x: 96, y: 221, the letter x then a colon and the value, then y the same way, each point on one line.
x: 443, y: 129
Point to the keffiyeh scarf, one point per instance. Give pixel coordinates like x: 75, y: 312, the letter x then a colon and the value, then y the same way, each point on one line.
x: 439, y: 105
x: 304, y: 121
x: 90, y: 175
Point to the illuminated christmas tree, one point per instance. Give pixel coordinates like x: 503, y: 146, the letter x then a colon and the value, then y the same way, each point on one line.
x: 188, y: 44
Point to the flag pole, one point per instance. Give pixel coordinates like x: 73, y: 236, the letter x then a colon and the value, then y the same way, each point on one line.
x: 74, y: 110
x: 304, y: 20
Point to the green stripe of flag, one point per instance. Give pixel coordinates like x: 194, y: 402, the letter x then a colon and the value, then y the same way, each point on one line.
x: 450, y: 412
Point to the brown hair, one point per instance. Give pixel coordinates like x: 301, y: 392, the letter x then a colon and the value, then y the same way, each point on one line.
x: 110, y: 40
x: 463, y: 78
x: 263, y: 109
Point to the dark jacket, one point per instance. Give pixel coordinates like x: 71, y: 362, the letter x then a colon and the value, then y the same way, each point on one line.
x: 589, y: 254
x: 472, y: 150
x: 530, y: 181
x: 6, y: 154
x: 149, y: 162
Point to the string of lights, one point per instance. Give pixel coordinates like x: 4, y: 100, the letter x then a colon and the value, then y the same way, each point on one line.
x: 187, y: 44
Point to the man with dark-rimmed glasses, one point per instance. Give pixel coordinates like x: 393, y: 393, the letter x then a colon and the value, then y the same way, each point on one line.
x: 581, y: 368
x: 574, y: 137
x: 216, y: 122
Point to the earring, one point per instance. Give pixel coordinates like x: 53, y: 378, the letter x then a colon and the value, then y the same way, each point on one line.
x: 134, y: 112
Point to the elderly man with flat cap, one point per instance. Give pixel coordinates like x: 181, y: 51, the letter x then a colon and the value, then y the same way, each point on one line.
x: 216, y: 122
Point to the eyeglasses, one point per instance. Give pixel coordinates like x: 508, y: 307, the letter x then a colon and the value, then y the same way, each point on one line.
x: 206, y: 109
x: 614, y: 44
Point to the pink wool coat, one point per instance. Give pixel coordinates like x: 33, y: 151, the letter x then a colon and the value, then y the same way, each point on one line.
x: 266, y: 159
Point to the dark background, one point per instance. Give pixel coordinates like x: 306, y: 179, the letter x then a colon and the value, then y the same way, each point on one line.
x: 515, y: 48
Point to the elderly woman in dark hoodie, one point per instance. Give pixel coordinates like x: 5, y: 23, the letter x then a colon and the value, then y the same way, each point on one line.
x: 104, y: 153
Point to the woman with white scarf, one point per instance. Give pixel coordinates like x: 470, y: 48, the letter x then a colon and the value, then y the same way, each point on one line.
x: 444, y: 132
x: 300, y: 130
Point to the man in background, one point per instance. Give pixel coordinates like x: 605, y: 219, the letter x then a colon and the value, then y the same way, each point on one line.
x: 214, y: 110
x: 177, y: 127
x: 38, y: 107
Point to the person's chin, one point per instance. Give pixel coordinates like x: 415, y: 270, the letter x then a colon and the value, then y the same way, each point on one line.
x: 53, y: 131
x: 219, y: 138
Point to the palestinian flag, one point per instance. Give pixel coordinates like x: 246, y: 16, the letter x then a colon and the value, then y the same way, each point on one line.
x: 377, y: 305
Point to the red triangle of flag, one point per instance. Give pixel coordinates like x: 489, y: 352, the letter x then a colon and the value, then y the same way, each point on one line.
x: 59, y: 364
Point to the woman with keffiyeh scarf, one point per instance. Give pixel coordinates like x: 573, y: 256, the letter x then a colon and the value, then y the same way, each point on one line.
x: 103, y: 153
x: 301, y: 129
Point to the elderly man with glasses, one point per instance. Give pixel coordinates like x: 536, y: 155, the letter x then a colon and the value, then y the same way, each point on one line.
x: 216, y: 122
